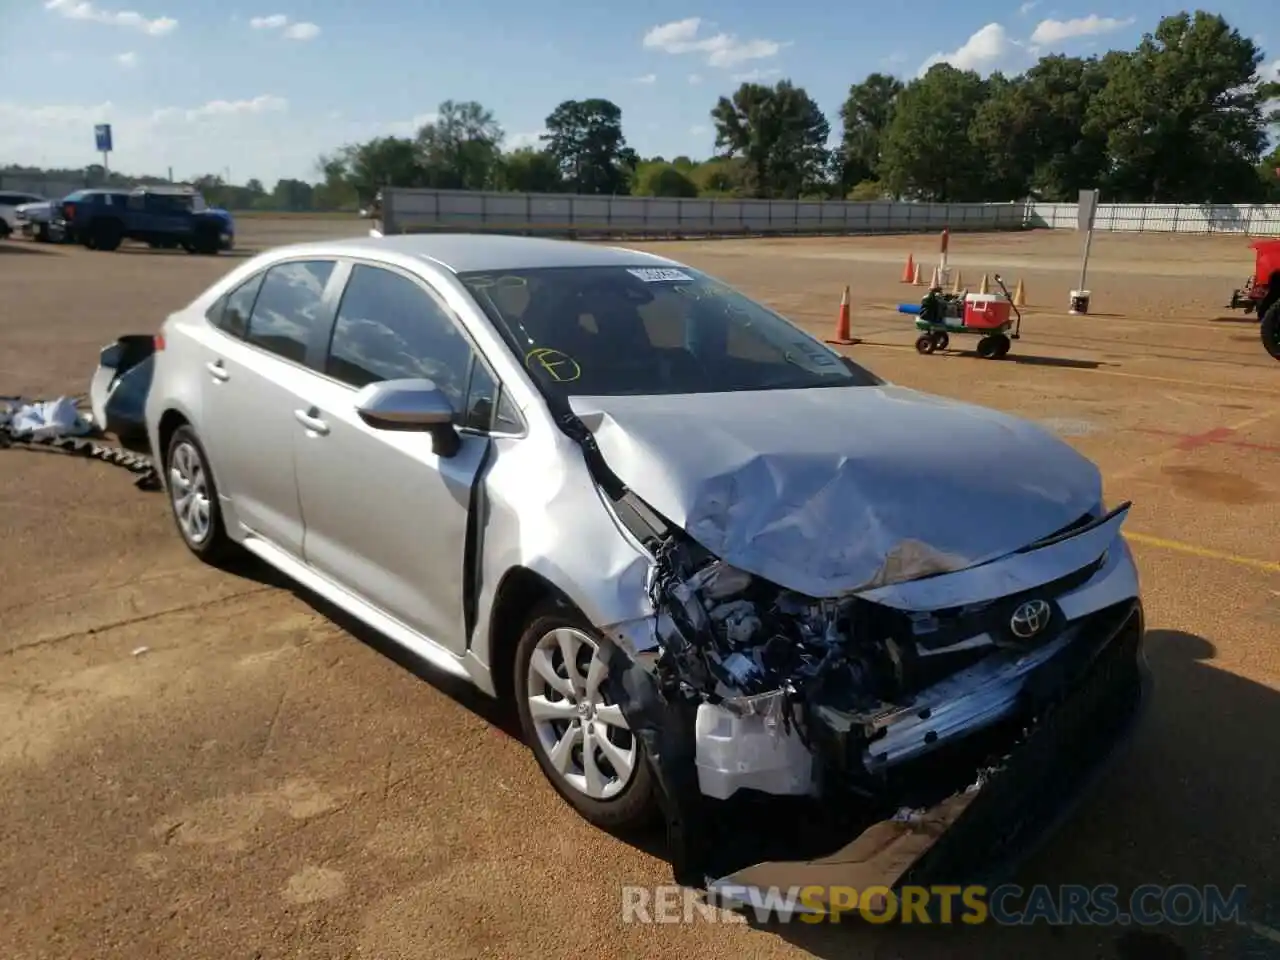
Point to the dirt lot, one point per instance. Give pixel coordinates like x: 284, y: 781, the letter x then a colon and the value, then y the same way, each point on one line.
x: 197, y: 764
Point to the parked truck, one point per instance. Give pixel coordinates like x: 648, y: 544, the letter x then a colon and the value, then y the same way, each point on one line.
x: 159, y: 216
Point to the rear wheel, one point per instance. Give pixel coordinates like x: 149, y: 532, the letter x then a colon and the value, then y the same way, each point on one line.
x: 207, y: 239
x: 989, y: 347
x: 941, y: 341
x: 106, y: 235
x: 580, y: 739
x: 925, y: 343
x: 193, y: 497
x: 1271, y: 330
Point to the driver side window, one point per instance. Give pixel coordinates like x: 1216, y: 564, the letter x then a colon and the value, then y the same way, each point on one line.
x: 389, y: 328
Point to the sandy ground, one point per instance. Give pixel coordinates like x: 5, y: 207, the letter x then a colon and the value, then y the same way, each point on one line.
x: 199, y: 764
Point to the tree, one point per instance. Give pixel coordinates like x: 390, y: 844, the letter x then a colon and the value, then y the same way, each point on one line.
x: 926, y: 152
x: 1030, y: 130
x: 529, y: 171
x: 292, y: 194
x: 661, y: 179
x: 1182, y: 114
x: 780, y: 134
x: 865, y: 116
x: 584, y: 138
x: 459, y: 150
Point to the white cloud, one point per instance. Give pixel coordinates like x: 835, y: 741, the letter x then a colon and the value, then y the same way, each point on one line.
x: 516, y: 141
x: 128, y: 60
x: 1055, y: 31
x: 216, y: 109
x: 755, y: 76
x: 695, y: 78
x: 698, y: 130
x: 991, y: 48
x: 1028, y: 7
x: 721, y: 49
x: 407, y: 128
x: 83, y: 10
x: 301, y: 31
x: 1270, y: 72
x: 648, y: 78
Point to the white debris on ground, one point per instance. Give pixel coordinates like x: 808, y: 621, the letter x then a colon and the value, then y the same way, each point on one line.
x: 42, y: 419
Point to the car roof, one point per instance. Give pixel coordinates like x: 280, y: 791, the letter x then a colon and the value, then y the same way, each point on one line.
x: 467, y: 252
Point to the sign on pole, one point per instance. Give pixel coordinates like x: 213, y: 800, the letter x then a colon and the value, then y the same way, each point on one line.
x: 102, y: 137
x: 1087, y: 209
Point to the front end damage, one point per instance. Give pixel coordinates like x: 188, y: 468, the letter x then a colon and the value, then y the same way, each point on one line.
x: 923, y: 732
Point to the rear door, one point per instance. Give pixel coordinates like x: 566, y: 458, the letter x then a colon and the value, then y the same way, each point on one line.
x: 386, y: 517
x: 257, y: 365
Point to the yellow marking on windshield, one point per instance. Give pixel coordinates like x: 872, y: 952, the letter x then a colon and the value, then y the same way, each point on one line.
x: 559, y: 366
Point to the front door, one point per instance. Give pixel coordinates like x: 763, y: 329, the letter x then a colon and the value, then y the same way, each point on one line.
x: 255, y: 375
x: 386, y: 517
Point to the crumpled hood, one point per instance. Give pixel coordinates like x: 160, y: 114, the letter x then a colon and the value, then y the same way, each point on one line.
x: 832, y: 490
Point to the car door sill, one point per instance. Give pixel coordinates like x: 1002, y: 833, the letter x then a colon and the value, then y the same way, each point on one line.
x: 393, y: 629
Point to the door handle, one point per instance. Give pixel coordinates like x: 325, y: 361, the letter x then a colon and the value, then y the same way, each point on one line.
x: 217, y: 370
x: 312, y: 422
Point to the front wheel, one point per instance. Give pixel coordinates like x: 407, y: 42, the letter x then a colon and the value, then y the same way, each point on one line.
x: 926, y: 344
x: 1271, y: 330
x: 580, y: 739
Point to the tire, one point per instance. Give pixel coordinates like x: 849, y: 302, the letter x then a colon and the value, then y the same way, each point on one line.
x: 107, y: 235
x: 1270, y: 330
x: 5, y: 229
x: 186, y: 459
x: 618, y: 803
x: 941, y: 341
x: 42, y: 232
x: 1003, y: 345
x: 925, y: 344
x: 989, y: 346
x: 207, y: 240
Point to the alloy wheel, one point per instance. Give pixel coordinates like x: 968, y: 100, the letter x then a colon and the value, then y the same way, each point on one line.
x: 583, y: 735
x: 189, y: 493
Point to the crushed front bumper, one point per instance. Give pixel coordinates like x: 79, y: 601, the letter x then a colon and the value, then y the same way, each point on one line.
x: 1079, y: 711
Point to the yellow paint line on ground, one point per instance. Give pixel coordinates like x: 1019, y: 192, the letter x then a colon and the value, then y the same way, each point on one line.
x: 1268, y: 566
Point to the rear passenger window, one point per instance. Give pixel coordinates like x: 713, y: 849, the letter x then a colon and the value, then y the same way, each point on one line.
x: 231, y: 313
x: 389, y: 328
x: 287, y: 309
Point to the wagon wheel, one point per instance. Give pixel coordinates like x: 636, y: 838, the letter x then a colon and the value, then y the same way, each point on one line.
x: 1003, y: 344
x: 1271, y: 330
x: 925, y: 344
x: 989, y: 346
x: 941, y: 341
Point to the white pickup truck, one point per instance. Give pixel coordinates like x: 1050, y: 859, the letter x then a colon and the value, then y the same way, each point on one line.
x: 10, y: 202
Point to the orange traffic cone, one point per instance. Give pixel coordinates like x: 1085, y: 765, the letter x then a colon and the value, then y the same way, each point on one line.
x: 842, y: 322
x: 956, y: 288
x: 909, y: 270
x: 985, y: 285
x: 1019, y: 295
x: 918, y: 279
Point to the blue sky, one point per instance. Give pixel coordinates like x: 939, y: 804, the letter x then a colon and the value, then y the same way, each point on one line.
x: 261, y: 90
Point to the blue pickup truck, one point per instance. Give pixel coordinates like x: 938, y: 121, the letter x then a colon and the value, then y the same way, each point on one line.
x: 159, y: 216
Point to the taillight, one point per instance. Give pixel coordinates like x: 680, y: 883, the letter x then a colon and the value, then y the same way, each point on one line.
x: 68, y: 211
x: 158, y: 342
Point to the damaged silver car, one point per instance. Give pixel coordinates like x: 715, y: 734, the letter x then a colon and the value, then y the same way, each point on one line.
x: 716, y: 565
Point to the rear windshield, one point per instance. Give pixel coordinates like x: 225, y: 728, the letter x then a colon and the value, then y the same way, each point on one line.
x: 613, y: 331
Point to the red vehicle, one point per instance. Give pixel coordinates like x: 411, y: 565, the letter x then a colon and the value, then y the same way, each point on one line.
x: 1262, y: 293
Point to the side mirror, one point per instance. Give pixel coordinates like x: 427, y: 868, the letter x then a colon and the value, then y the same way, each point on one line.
x: 417, y: 406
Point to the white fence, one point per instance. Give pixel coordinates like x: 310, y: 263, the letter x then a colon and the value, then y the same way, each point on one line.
x: 1255, y: 220
x: 415, y: 211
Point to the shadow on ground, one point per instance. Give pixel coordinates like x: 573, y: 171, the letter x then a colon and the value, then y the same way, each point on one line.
x: 26, y: 246
x: 1035, y: 361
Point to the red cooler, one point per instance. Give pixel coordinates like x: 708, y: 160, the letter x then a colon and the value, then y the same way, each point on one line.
x: 986, y: 311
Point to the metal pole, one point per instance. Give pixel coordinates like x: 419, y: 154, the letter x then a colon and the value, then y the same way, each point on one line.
x: 106, y: 168
x: 1084, y: 262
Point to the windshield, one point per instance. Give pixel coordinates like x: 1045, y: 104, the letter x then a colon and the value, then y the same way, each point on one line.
x: 613, y: 331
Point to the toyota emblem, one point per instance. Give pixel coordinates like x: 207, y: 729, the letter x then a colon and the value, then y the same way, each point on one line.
x: 1030, y: 619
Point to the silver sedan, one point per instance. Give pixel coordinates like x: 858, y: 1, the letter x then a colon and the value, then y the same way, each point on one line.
x: 706, y: 556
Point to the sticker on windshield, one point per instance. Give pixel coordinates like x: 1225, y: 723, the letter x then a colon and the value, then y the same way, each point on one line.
x: 560, y: 367
x: 660, y: 275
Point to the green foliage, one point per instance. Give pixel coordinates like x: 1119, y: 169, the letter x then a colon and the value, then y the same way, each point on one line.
x: 660, y: 179
x: 1183, y: 117
x: 780, y: 135
x: 584, y: 138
